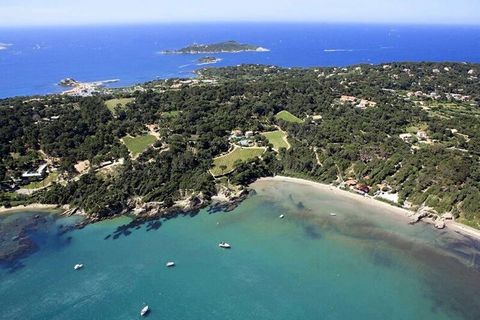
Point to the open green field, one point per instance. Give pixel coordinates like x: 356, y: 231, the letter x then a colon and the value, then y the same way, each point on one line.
x: 448, y: 110
x: 229, y: 159
x: 172, y: 113
x: 277, y: 138
x: 418, y: 127
x: 287, y: 116
x: 113, y: 103
x: 45, y: 182
x: 138, y: 144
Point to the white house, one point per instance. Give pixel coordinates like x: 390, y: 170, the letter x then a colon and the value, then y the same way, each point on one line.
x: 39, y: 173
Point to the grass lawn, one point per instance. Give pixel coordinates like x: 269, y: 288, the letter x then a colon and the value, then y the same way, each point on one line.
x: 112, y: 103
x: 45, y: 182
x: 449, y: 110
x: 287, y: 116
x: 138, y: 144
x: 418, y: 127
x: 276, y: 138
x: 173, y: 113
x: 229, y: 159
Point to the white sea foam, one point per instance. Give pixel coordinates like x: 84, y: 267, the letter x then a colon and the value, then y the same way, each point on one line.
x: 5, y: 46
x: 339, y: 50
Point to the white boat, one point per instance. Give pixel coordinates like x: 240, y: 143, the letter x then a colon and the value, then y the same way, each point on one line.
x: 144, y: 311
x: 224, y: 245
x: 333, y: 214
x: 170, y: 264
x: 78, y: 266
x: 281, y: 216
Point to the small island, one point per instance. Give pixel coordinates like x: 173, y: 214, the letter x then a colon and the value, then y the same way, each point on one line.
x: 221, y: 47
x: 208, y: 60
x: 68, y: 82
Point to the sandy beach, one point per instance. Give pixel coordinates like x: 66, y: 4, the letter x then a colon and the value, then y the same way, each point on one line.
x: 401, y: 212
x: 33, y: 206
x: 389, y: 209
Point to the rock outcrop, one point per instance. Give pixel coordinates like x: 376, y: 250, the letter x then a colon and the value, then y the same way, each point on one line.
x: 419, y: 216
x: 440, y: 223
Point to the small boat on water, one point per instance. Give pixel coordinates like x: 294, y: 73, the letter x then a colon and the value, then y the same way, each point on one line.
x: 170, y: 264
x: 333, y: 214
x: 78, y: 266
x: 281, y: 216
x: 145, y: 310
x: 224, y: 245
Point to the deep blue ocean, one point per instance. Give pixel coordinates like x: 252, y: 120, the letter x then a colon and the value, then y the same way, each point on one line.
x: 35, y: 59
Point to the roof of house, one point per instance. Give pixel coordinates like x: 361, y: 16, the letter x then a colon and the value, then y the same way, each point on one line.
x: 38, y: 173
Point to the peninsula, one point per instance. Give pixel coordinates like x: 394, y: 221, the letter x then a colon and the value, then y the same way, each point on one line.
x: 402, y: 133
x: 84, y: 88
x: 220, y: 47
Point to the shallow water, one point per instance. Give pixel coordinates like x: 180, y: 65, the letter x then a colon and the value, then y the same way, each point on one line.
x: 361, y: 264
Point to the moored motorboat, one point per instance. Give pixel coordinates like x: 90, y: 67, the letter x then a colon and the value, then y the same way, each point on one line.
x: 78, y: 266
x: 170, y: 264
x: 224, y: 245
x: 333, y: 214
x: 281, y: 216
x: 145, y: 310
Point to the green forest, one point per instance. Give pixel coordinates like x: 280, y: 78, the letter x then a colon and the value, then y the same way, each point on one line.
x: 409, y: 129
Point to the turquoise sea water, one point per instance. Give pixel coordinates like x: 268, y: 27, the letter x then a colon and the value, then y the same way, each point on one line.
x: 365, y: 263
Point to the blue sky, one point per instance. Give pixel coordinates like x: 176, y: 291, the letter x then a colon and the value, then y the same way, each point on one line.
x: 59, y: 12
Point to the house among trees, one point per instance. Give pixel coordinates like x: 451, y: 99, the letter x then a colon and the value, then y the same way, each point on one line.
x: 422, y: 135
x: 359, y: 103
x: 314, y: 119
x: 348, y: 99
x: 236, y: 134
x: 242, y: 139
x: 363, y: 104
x: 362, y: 189
x: 351, y: 182
x: 38, y: 174
x: 406, y: 137
x: 8, y: 186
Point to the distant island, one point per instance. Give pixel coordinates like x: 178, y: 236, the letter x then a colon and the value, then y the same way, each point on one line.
x: 208, y: 60
x: 220, y: 47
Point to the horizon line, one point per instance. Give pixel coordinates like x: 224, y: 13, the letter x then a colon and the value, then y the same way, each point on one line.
x: 180, y: 22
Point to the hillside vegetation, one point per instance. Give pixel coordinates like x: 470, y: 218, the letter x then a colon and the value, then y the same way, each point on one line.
x: 407, y: 129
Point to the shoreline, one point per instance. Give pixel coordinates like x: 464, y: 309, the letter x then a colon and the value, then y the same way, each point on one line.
x: 401, y: 212
x: 30, y: 207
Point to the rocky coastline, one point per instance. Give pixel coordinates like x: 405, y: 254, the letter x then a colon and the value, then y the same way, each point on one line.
x: 15, y: 235
x: 429, y: 216
x: 224, y: 201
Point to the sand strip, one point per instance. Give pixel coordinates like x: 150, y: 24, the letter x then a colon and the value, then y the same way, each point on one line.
x: 452, y: 225
x: 33, y: 206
